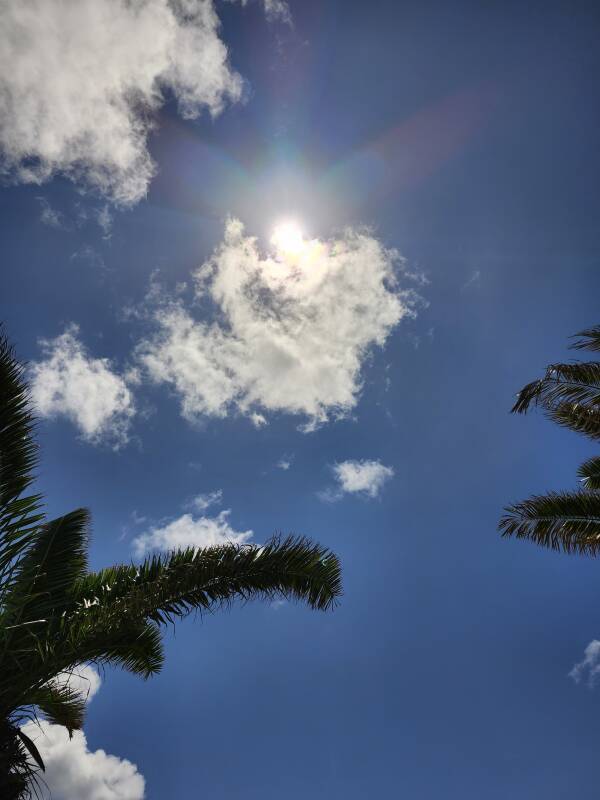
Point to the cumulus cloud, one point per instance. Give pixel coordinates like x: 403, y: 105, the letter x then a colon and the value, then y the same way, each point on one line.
x: 365, y: 478
x: 187, y: 531
x: 73, y: 771
x: 80, y: 83
x: 590, y: 666
x: 83, y: 679
x: 291, y: 331
x: 86, y: 390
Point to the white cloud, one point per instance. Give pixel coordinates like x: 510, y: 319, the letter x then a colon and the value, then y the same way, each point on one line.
x: 590, y: 665
x: 285, y: 463
x: 274, y: 10
x: 74, y: 772
x: 82, y: 679
x: 203, y: 501
x: 80, y: 83
x: 186, y: 531
x: 365, y: 478
x: 86, y: 390
x: 292, y: 328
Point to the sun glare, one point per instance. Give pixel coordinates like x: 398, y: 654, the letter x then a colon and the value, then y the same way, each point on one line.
x: 287, y: 239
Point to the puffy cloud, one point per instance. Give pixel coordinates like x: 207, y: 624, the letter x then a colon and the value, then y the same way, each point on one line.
x: 74, y: 772
x: 358, y: 477
x: 81, y: 81
x: 83, y: 679
x: 187, y: 531
x: 68, y: 382
x: 590, y: 665
x: 292, y: 328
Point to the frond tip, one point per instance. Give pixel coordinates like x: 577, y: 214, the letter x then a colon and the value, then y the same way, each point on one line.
x: 560, y: 521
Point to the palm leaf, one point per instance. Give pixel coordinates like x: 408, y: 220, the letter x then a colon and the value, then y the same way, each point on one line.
x: 562, y: 383
x: 589, y: 339
x: 165, y: 587
x: 561, y: 521
x: 589, y: 473
x: 578, y: 417
x: 61, y: 705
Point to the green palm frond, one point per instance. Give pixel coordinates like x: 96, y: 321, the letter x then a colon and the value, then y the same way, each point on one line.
x: 561, y: 521
x: 61, y: 705
x: 589, y: 339
x: 165, y: 587
x: 589, y: 473
x: 54, y: 561
x: 18, y: 459
x: 562, y: 383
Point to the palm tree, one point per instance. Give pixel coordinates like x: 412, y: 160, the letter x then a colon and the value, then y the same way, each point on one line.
x: 570, y: 396
x: 56, y: 615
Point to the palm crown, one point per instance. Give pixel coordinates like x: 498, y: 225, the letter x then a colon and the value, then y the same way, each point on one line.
x: 55, y: 614
x: 570, y: 396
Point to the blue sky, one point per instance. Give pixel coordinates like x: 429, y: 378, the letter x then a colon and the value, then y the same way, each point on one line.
x: 462, y: 136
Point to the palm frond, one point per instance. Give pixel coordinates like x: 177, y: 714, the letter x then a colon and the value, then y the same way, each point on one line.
x: 578, y: 417
x: 170, y: 586
x: 45, y: 575
x: 589, y: 473
x: 561, y: 521
x: 18, y: 458
x: 589, y: 339
x: 61, y: 705
x: 562, y: 383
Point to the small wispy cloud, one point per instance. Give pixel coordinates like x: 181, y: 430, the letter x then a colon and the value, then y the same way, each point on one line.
x: 473, y: 280
x: 285, y: 462
x: 590, y: 665
x: 366, y: 478
x: 203, y: 501
x: 48, y: 215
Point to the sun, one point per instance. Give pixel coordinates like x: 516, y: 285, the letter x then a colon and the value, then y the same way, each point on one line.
x: 287, y: 239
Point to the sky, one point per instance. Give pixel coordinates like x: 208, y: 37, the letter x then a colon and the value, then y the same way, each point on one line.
x: 282, y: 268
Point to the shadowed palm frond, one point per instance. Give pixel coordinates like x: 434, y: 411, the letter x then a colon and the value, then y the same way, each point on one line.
x: 561, y: 521
x: 563, y: 383
x: 589, y: 473
x: 61, y: 705
x: 589, y: 339
x: 18, y: 459
x: 580, y: 418
x: 173, y: 585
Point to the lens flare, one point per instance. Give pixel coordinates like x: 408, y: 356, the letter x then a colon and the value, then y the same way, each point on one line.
x: 287, y: 239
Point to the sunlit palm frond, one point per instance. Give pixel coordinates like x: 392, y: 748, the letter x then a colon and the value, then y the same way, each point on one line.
x: 561, y: 521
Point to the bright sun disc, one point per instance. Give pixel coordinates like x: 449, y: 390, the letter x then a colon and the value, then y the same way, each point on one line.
x: 287, y: 238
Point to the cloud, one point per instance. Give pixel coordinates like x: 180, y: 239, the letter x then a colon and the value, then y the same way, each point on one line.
x: 473, y: 280
x: 275, y: 10
x: 74, y: 772
x: 291, y: 330
x: 285, y: 462
x: 50, y: 216
x: 86, y: 390
x: 590, y: 665
x: 203, y: 501
x: 81, y: 82
x: 365, y: 478
x: 82, y: 679
x: 187, y: 531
